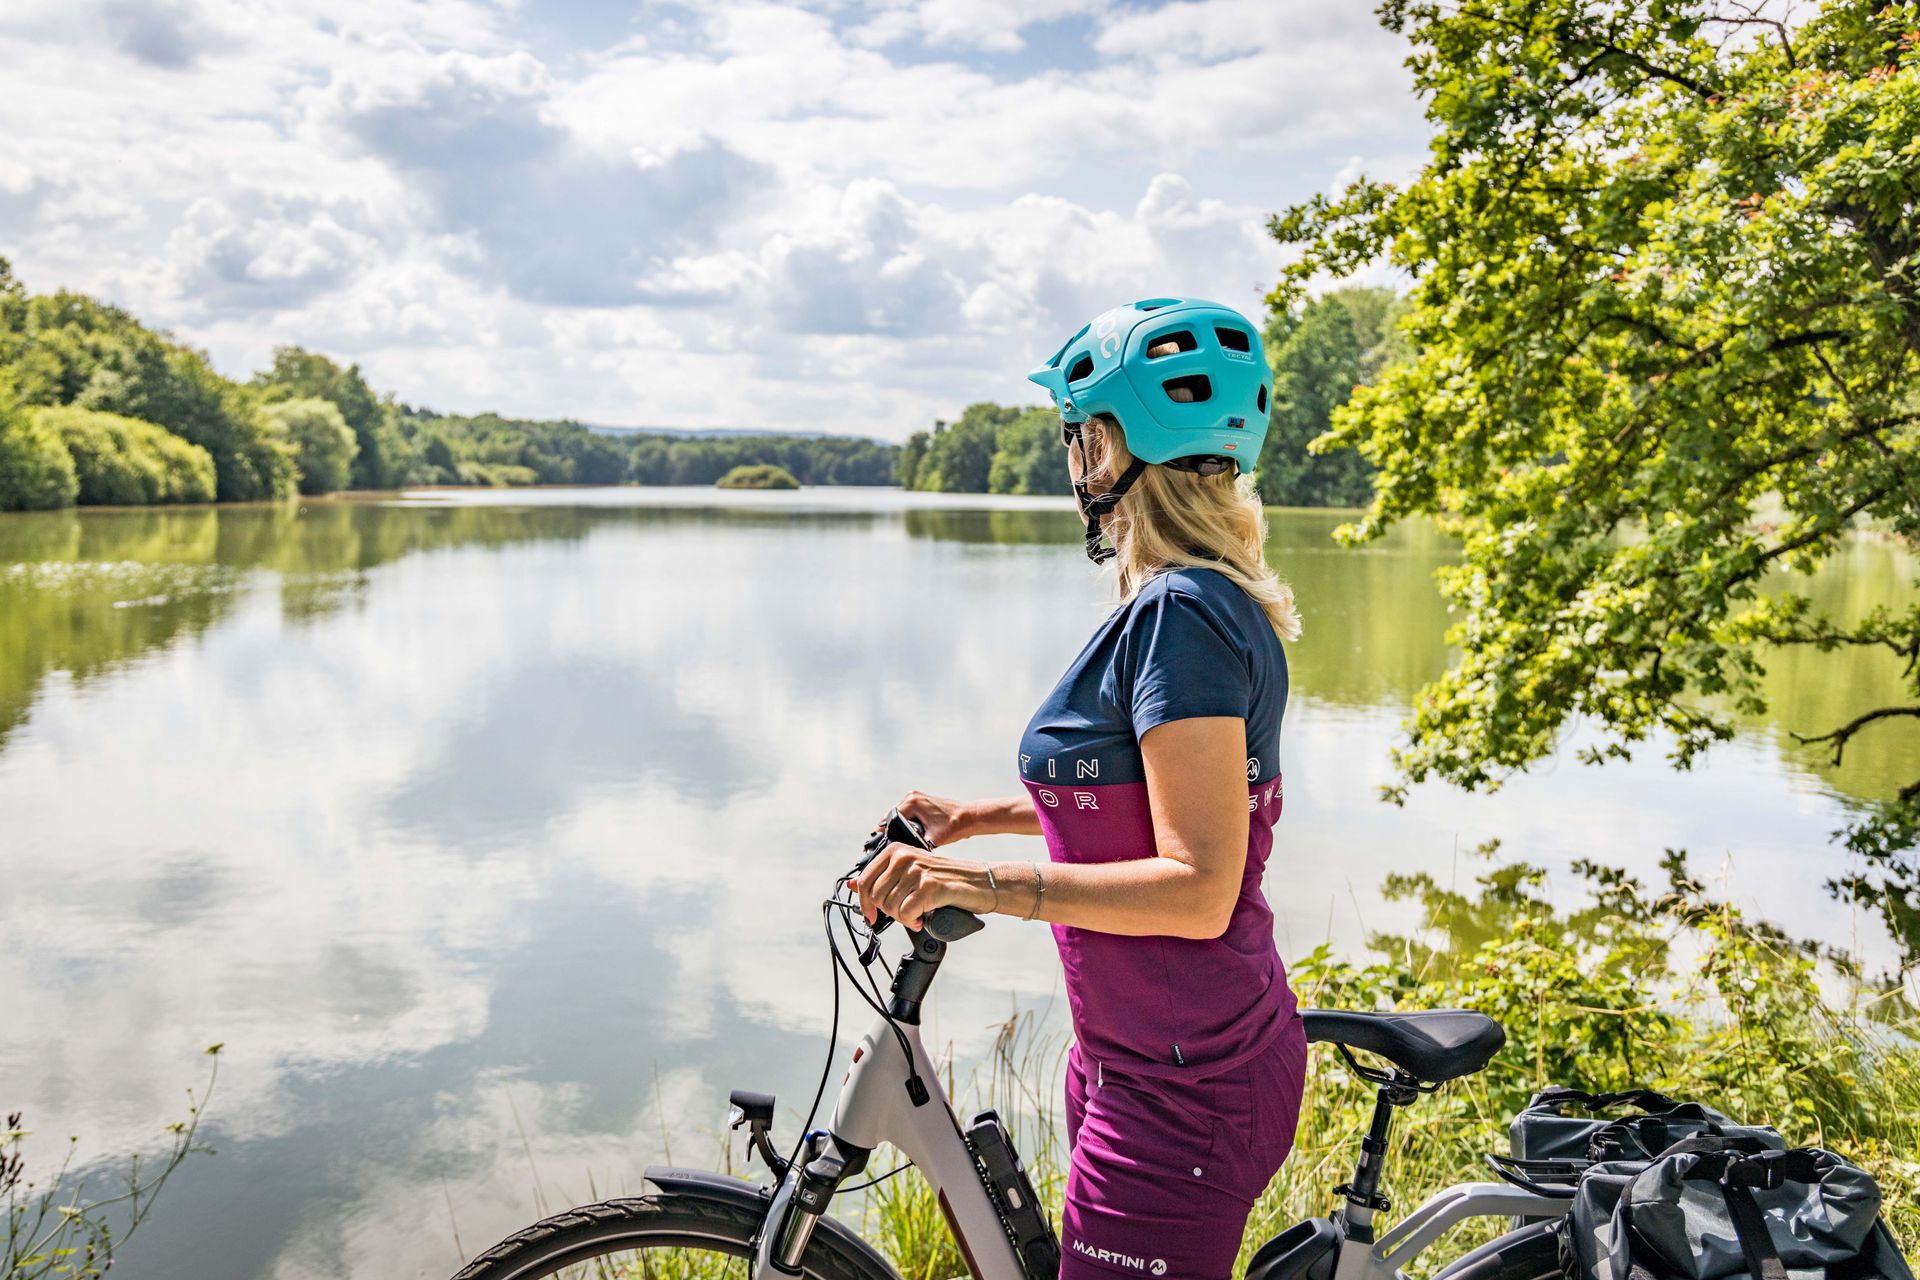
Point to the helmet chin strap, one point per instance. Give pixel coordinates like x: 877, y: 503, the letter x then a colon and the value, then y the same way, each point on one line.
x: 1093, y: 507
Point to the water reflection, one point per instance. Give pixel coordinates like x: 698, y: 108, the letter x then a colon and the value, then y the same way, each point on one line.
x: 459, y: 819
x: 1813, y: 692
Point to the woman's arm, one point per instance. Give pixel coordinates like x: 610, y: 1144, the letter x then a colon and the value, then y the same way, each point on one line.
x: 1197, y: 790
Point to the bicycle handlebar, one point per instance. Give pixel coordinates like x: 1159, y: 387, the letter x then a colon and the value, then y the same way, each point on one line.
x: 947, y: 924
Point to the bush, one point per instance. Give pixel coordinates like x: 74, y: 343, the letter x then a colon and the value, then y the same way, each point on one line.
x: 126, y: 462
x: 36, y: 473
x: 497, y: 475
x: 381, y: 458
x: 74, y: 350
x: 323, y: 444
x: 763, y: 476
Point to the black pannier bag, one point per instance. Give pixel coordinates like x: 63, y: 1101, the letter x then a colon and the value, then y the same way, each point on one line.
x: 1721, y: 1207
x: 1549, y: 1130
x: 1562, y: 1132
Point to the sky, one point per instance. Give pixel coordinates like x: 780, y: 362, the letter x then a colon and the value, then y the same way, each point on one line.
x: 839, y: 215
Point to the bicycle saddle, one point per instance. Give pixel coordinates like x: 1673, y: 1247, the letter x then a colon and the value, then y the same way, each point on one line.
x: 1436, y: 1045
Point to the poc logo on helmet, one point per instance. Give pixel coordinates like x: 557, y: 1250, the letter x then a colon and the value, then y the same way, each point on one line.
x: 1107, y: 329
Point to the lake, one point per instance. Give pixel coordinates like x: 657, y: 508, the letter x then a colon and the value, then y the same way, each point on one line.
x: 488, y: 829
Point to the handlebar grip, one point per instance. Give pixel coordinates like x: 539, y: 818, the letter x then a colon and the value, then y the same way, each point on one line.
x: 950, y: 924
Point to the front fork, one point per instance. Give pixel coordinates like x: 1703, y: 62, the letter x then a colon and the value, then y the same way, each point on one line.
x: 806, y: 1189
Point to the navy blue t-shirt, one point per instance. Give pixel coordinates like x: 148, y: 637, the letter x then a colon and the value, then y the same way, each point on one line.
x: 1190, y: 644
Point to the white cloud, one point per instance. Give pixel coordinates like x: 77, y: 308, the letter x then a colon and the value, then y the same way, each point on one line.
x: 865, y: 269
x: 994, y: 25
x: 694, y: 225
x: 1211, y: 29
x: 552, y: 220
x: 252, y: 252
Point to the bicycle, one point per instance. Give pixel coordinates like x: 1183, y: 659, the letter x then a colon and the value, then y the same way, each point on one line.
x: 892, y: 1094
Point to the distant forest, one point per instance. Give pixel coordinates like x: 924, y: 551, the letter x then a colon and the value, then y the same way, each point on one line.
x: 97, y: 408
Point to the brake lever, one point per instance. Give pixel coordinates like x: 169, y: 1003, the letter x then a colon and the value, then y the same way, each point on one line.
x: 896, y: 829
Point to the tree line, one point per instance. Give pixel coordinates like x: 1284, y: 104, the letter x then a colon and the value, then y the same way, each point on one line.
x: 97, y: 408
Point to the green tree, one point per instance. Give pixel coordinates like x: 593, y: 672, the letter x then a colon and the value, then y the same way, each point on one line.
x: 381, y: 459
x: 437, y: 458
x: 1320, y: 352
x: 36, y: 473
x: 1666, y: 333
x: 13, y: 321
x: 1027, y: 457
x: 907, y: 463
x: 959, y: 458
x: 123, y: 461
x: 323, y: 444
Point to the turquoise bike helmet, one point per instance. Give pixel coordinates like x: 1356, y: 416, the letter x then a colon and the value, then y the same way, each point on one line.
x: 1187, y: 379
x: 1219, y: 362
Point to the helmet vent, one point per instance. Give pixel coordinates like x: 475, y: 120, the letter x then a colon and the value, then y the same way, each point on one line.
x: 1234, y: 339
x: 1260, y: 402
x: 1168, y: 344
x: 1081, y: 368
x: 1154, y: 304
x: 1206, y: 464
x: 1191, y: 389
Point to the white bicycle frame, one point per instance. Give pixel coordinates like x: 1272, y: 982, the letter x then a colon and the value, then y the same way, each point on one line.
x: 874, y: 1107
x: 1387, y: 1257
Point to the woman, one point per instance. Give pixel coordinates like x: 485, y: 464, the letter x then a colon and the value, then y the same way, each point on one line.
x: 1151, y: 771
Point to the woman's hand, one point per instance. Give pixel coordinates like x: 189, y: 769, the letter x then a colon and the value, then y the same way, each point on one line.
x: 945, y: 820
x: 950, y: 820
x: 906, y: 883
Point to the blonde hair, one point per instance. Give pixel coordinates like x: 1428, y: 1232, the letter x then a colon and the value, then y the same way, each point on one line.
x: 1172, y: 519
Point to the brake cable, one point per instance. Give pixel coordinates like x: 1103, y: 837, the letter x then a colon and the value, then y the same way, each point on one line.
x: 875, y: 1002
x: 894, y: 1172
x: 916, y: 1085
x: 833, y: 1051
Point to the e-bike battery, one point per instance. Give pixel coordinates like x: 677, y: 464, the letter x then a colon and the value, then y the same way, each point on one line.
x: 1012, y: 1191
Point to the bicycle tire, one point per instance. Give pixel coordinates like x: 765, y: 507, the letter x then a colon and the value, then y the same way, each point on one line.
x: 622, y: 1227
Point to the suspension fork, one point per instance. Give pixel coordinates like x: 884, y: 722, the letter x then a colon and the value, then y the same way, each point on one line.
x: 807, y: 1188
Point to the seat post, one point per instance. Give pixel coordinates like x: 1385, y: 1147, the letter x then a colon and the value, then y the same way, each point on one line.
x: 1363, y: 1193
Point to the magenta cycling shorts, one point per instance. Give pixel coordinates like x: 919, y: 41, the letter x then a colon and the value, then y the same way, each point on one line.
x: 1165, y: 1171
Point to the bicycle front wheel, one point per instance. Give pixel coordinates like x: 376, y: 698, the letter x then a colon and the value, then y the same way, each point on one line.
x: 656, y: 1237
